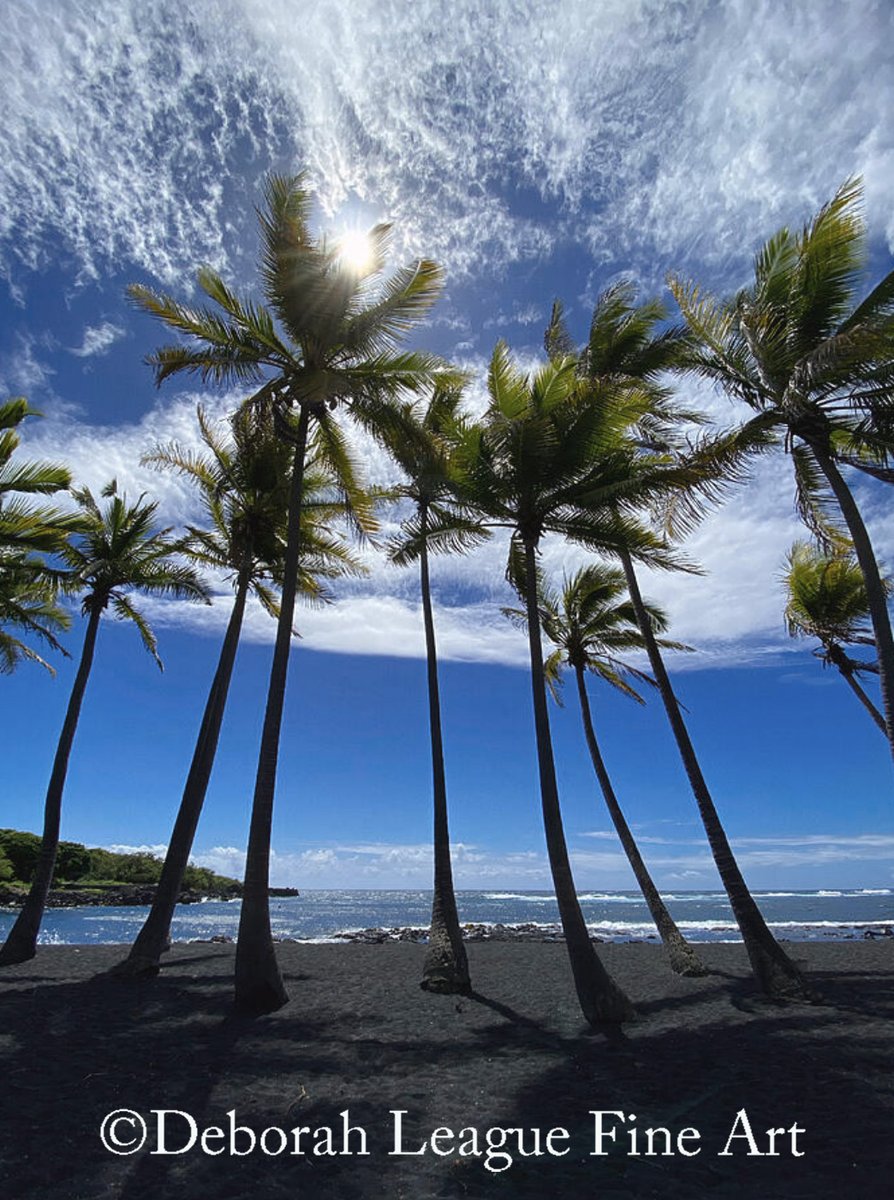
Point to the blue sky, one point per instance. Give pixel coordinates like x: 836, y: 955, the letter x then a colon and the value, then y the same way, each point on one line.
x: 535, y: 151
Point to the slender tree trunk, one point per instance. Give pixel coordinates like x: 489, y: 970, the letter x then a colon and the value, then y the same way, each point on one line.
x: 836, y: 655
x: 446, y: 967
x: 775, y: 972
x: 153, y: 939
x: 683, y: 959
x: 875, y: 591
x: 21, y: 942
x: 600, y: 998
x: 259, y: 985
x: 851, y: 680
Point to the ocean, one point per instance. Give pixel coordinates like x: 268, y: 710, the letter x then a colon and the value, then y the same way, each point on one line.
x: 318, y: 916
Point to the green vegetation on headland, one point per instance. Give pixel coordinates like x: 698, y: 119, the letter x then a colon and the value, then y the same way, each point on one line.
x: 90, y: 875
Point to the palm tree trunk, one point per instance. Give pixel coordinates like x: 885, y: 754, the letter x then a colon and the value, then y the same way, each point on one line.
x: 775, y: 972
x: 259, y: 985
x: 875, y: 591
x: 21, y: 943
x: 153, y: 939
x: 683, y: 959
x: 858, y: 691
x: 446, y: 967
x: 600, y: 998
x: 837, y: 656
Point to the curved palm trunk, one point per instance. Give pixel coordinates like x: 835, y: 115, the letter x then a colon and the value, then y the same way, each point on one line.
x: 154, y: 938
x: 600, y: 998
x: 21, y: 942
x: 259, y: 985
x: 446, y: 967
x: 837, y: 656
x: 875, y: 592
x: 683, y: 959
x: 775, y: 972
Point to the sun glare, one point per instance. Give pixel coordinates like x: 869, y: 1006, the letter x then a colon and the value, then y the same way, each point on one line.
x: 356, y: 249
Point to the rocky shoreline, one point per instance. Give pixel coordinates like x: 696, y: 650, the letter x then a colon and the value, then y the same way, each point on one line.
x: 472, y: 932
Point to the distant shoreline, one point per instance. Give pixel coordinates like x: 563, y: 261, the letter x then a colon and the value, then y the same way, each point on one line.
x: 120, y: 896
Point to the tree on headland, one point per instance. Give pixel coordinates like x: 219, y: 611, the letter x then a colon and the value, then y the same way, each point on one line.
x: 327, y: 336
x: 438, y: 523
x: 116, y: 551
x: 817, y: 368
x: 591, y: 625
x: 243, y: 483
x: 827, y: 601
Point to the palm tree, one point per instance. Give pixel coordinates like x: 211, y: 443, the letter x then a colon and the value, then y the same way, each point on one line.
x: 26, y: 528
x: 550, y: 458
x: 629, y: 352
x: 827, y: 601
x: 436, y: 524
x: 590, y: 625
x: 28, y: 603
x: 328, y: 334
x: 243, y: 483
x: 28, y: 588
x: 818, y: 370
x: 116, y: 552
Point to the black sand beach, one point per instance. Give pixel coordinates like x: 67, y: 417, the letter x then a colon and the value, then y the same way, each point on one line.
x: 360, y: 1035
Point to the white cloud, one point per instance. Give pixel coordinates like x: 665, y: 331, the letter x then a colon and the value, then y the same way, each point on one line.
x: 98, y: 339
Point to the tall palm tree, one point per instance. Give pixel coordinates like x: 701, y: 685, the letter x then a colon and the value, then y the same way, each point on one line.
x: 243, y: 483
x: 590, y: 624
x: 630, y: 352
x: 116, y: 552
x: 437, y: 523
x: 327, y: 335
x: 549, y: 457
x: 817, y: 368
x: 827, y: 601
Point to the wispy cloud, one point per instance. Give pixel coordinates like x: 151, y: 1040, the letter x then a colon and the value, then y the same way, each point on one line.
x: 98, y: 339
x: 136, y: 132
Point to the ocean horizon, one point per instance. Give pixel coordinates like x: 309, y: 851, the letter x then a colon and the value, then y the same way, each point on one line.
x: 327, y: 915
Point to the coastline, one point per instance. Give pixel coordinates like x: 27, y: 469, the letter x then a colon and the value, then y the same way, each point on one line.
x: 359, y: 1035
x: 130, y: 895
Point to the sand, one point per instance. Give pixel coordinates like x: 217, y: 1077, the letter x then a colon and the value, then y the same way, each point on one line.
x: 360, y: 1036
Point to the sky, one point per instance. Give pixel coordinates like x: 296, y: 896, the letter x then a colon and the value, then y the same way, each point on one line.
x: 536, y: 152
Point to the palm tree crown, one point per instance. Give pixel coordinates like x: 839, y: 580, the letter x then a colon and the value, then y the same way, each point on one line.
x: 591, y: 622
x: 243, y: 482
x: 28, y: 588
x: 827, y: 600
x: 818, y: 369
x: 118, y: 551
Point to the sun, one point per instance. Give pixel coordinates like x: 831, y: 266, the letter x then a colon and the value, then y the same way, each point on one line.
x: 356, y: 250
